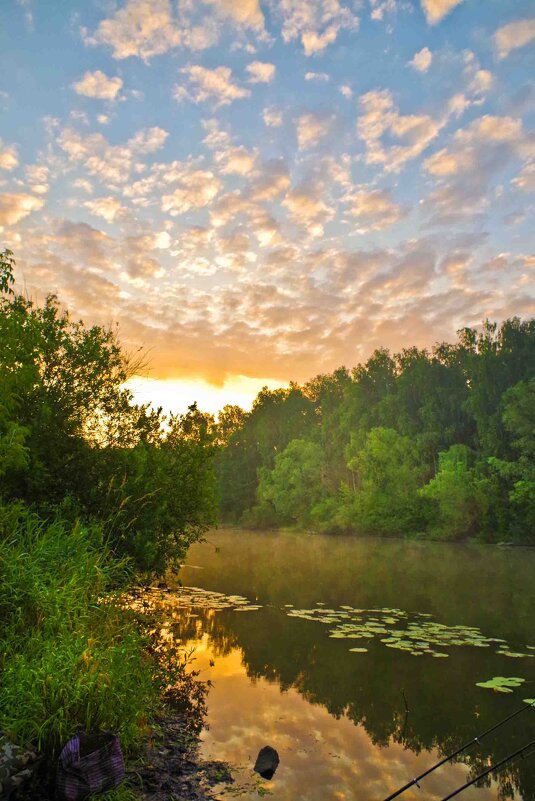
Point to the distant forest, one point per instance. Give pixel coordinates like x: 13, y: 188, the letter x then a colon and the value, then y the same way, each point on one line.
x: 434, y: 444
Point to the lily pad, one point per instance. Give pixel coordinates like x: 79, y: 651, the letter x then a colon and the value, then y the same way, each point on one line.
x: 513, y: 654
x: 501, y: 684
x: 359, y: 650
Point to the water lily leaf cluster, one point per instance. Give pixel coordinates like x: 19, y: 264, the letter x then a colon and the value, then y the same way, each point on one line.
x: 152, y: 599
x: 416, y: 634
x: 501, y: 684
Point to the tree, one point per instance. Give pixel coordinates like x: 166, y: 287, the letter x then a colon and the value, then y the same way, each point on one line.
x: 73, y: 443
x: 457, y: 494
x: 518, y: 475
x: 388, y: 473
x: 295, y: 485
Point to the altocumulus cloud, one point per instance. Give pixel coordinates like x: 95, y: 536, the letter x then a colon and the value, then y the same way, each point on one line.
x: 98, y: 85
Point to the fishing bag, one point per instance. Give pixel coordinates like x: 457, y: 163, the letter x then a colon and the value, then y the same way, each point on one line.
x: 88, y: 764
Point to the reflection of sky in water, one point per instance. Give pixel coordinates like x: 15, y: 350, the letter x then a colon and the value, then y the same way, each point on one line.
x: 321, y: 757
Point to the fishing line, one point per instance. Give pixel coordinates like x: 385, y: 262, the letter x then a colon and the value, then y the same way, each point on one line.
x: 489, y: 770
x: 455, y: 753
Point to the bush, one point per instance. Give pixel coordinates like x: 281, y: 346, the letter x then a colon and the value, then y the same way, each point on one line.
x: 68, y: 660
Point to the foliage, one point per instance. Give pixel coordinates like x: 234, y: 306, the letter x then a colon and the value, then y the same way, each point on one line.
x: 425, y: 443
x: 68, y: 661
x: 517, y: 476
x: 72, y: 439
x: 294, y: 486
x: 388, y: 474
x: 458, y: 495
x: 93, y: 490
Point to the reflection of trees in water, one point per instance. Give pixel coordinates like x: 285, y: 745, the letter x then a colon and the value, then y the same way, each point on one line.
x: 446, y: 709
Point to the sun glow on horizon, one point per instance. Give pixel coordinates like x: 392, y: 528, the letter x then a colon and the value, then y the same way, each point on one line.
x: 175, y: 395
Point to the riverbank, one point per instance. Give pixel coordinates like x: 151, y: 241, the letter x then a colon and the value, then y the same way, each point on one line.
x: 167, y: 766
x: 170, y: 765
x: 299, y: 530
x: 76, y: 655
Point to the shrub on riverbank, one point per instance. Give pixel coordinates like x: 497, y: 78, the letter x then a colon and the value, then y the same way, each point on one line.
x: 68, y: 661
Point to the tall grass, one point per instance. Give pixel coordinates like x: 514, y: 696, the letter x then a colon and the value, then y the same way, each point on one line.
x: 68, y: 661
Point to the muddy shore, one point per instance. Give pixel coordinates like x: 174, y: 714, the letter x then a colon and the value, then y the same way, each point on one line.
x: 167, y: 768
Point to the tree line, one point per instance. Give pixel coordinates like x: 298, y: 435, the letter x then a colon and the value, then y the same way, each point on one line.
x: 430, y: 443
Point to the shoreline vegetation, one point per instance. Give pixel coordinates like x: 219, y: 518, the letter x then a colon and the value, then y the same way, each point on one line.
x: 98, y: 495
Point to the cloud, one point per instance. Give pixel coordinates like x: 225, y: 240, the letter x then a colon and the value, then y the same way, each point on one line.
x: 525, y: 180
x: 176, y: 187
x: 422, y: 60
x: 307, y: 209
x: 311, y: 129
x: 316, y: 23
x: 465, y: 168
x: 236, y: 161
x: 481, y: 83
x: 98, y: 85
x: 273, y: 181
x: 148, y: 28
x: 214, y: 85
x: 382, y: 7
x: 109, y: 208
x: 346, y: 91
x: 435, y: 10
x: 82, y: 183
x: 148, y: 140
x: 142, y: 28
x: 373, y: 209
x: 380, y: 118
x: 261, y: 72
x: 244, y: 13
x: 230, y: 159
x: 272, y: 117
x: 471, y: 146
x: 8, y: 157
x: 14, y: 207
x: 37, y: 176
x: 445, y: 162
x: 195, y: 189
x: 320, y: 77
x: 514, y: 35
x: 113, y: 164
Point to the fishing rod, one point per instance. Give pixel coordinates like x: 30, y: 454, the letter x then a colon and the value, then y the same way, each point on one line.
x: 456, y: 753
x: 489, y: 770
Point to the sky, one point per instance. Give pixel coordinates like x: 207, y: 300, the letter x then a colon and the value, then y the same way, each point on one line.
x: 259, y: 191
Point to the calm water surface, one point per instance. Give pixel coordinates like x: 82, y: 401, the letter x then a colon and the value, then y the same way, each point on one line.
x: 338, y: 717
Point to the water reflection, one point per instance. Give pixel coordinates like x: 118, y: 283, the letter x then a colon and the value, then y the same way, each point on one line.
x: 322, y: 757
x: 338, y: 718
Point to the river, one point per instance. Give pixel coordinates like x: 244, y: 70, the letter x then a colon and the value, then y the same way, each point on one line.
x: 427, y: 622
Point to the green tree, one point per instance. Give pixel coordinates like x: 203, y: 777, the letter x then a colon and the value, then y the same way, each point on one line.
x: 388, y: 474
x: 457, y: 494
x: 73, y: 443
x: 517, y: 476
x: 295, y: 485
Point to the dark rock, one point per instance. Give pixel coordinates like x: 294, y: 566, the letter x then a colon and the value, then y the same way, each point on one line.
x: 17, y: 766
x: 267, y: 762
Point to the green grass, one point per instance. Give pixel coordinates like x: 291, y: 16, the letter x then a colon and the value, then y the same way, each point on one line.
x: 67, y: 661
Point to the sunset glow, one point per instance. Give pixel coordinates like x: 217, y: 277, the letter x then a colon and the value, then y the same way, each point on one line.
x: 175, y: 395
